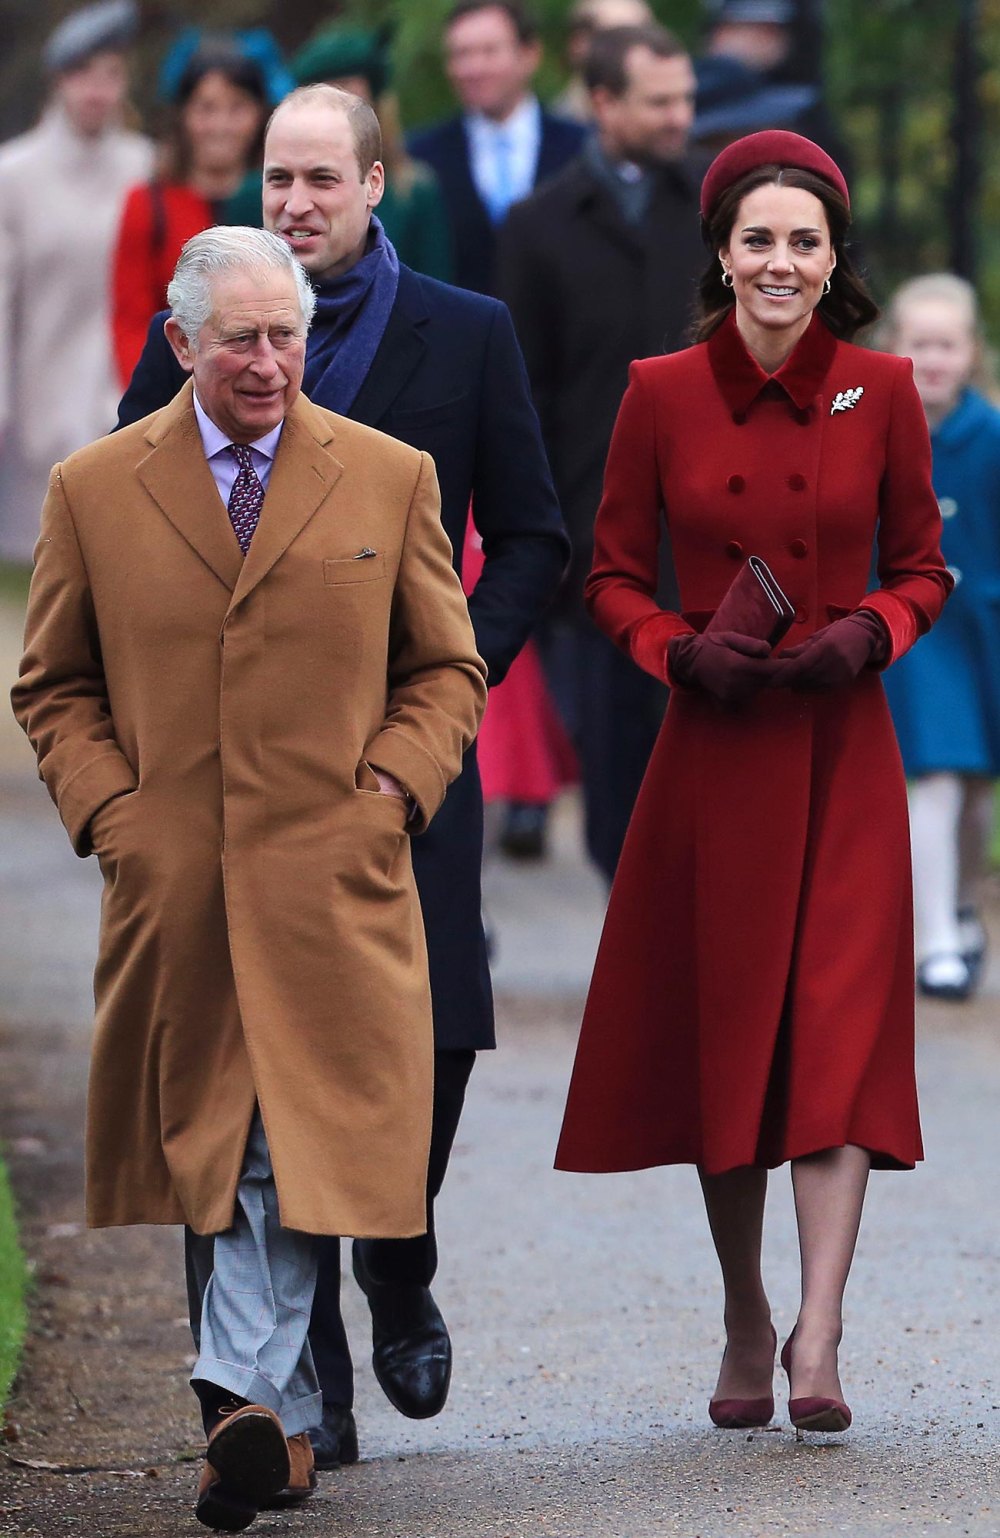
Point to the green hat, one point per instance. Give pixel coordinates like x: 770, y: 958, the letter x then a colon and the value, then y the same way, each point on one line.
x: 334, y: 52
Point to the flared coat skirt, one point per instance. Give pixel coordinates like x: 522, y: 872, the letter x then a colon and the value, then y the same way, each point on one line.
x: 752, y: 1000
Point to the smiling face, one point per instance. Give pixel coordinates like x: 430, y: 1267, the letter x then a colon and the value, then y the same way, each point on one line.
x: 250, y: 353
x: 315, y: 197
x: 220, y: 122
x: 940, y: 338
x: 779, y: 255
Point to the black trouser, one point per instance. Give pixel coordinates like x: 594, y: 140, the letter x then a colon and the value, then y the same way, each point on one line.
x: 613, y: 711
x: 386, y: 1260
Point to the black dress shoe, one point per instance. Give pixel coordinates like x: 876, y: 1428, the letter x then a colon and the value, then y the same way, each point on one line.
x: 523, y: 836
x: 411, y: 1349
x: 336, y: 1440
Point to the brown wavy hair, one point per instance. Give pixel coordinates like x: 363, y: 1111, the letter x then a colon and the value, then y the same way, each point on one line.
x: 846, y: 308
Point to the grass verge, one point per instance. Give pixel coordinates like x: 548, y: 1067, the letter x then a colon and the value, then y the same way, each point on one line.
x: 14, y: 582
x: 13, y: 1289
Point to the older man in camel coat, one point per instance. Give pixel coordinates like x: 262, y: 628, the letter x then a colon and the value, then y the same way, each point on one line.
x: 245, y: 717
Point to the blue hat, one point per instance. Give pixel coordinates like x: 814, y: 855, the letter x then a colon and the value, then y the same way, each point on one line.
x: 111, y: 24
x: 256, y: 45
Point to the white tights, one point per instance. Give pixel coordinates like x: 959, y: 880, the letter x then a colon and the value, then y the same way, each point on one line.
x: 951, y: 825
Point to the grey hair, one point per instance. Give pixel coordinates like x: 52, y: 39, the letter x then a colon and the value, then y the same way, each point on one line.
x: 225, y: 249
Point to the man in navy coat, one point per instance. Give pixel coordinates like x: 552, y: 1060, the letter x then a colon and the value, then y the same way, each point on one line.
x: 441, y: 370
x: 503, y: 143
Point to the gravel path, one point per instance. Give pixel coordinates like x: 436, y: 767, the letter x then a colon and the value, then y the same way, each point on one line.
x: 585, y: 1311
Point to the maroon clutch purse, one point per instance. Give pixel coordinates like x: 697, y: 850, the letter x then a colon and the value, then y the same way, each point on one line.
x: 754, y: 605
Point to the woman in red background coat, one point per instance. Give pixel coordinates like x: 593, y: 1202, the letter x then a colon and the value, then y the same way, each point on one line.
x: 219, y: 104
x: 752, y: 1000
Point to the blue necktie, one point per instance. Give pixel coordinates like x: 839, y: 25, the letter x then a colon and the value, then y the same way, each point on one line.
x: 503, y: 188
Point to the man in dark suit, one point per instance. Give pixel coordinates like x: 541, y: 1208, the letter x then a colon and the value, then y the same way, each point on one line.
x: 599, y: 268
x: 441, y: 370
x: 503, y: 143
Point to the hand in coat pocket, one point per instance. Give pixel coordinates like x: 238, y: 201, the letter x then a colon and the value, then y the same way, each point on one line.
x: 107, y: 824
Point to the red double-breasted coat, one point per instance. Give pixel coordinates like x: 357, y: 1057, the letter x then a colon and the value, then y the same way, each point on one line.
x: 752, y: 1000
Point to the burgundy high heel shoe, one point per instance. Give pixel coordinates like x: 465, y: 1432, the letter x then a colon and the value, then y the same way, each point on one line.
x: 812, y: 1412
x: 742, y: 1414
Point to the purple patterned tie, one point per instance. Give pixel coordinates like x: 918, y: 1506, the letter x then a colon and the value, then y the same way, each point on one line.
x: 246, y: 497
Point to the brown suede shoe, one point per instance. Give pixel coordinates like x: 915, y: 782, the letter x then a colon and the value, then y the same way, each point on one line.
x: 301, y: 1477
x: 247, y: 1462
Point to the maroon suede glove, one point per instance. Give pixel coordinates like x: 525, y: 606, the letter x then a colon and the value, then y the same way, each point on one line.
x: 732, y: 668
x: 834, y: 656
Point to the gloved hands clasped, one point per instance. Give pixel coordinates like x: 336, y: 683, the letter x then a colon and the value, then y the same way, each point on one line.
x: 733, y: 668
x: 833, y: 656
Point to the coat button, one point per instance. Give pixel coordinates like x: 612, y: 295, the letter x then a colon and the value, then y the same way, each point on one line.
x: 800, y: 616
x: 736, y: 483
x: 799, y: 549
x: 803, y: 416
x: 740, y: 418
x: 796, y: 483
x: 734, y: 550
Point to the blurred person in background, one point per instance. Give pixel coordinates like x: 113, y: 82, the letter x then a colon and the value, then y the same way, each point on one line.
x: 219, y: 97
x: 524, y: 752
x: 600, y: 267
x: 61, y: 192
x: 412, y: 211
x: 503, y: 143
x: 758, y: 69
x: 585, y: 18
x: 945, y: 696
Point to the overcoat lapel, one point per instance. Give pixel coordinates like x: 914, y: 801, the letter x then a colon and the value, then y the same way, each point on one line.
x: 303, y: 476
x: 177, y: 477
x: 401, y: 349
x: 552, y: 154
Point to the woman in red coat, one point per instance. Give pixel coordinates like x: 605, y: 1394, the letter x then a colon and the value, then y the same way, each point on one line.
x: 220, y: 104
x: 752, y: 1001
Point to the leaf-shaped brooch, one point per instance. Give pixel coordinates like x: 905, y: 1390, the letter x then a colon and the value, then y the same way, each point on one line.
x: 846, y: 400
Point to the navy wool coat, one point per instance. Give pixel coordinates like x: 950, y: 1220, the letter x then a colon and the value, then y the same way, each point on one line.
x: 448, y: 378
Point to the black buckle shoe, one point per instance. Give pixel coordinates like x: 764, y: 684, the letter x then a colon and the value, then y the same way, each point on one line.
x: 335, y: 1441
x: 411, y: 1348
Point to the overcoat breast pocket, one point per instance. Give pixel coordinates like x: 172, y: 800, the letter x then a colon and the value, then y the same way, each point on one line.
x: 402, y: 419
x: 366, y: 566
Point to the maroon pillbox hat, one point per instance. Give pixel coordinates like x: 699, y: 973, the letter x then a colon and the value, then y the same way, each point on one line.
x: 773, y: 147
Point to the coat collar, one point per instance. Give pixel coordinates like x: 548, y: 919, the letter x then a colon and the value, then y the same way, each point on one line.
x: 741, y: 378
x: 675, y: 189
x: 969, y: 417
x: 177, y: 477
x: 677, y: 179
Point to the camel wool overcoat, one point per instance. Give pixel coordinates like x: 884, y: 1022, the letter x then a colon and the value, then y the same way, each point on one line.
x: 752, y: 1000
x: 261, y: 937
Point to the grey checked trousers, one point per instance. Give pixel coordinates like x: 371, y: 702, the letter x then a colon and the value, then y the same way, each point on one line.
x: 258, y: 1299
